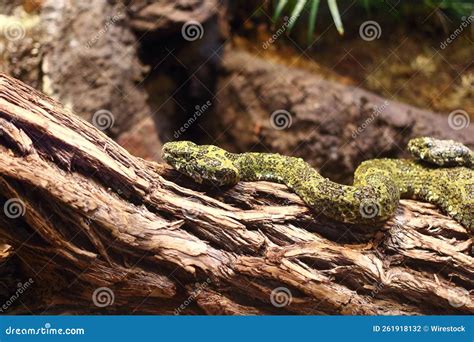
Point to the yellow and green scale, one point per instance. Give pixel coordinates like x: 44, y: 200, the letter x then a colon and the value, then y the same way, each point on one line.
x: 442, y: 173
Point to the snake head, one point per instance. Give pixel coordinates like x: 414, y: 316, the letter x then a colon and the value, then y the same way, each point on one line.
x: 440, y: 152
x: 206, y: 163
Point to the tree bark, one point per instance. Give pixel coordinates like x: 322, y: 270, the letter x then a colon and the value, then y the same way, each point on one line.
x: 98, y: 230
x: 84, y: 54
x: 332, y: 126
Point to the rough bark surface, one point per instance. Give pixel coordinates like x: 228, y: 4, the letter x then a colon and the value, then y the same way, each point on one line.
x: 93, y: 216
x: 83, y: 54
x: 165, y: 17
x: 332, y: 126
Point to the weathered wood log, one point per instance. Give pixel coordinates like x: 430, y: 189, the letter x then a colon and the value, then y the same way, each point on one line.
x: 263, y: 105
x: 101, y: 231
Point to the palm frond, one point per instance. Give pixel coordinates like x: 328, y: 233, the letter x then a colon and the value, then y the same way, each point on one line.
x: 312, y: 19
x: 336, y: 16
x: 296, y: 13
x: 279, y: 8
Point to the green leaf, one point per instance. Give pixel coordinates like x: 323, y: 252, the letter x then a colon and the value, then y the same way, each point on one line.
x: 296, y: 13
x: 279, y: 8
x: 335, y: 16
x: 312, y: 19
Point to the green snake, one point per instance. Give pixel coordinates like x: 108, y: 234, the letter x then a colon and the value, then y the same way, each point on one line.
x: 441, y: 173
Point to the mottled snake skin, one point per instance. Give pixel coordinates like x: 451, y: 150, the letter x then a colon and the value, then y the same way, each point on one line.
x: 442, y: 174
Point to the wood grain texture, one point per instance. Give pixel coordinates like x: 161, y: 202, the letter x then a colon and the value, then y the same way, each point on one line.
x: 96, y: 216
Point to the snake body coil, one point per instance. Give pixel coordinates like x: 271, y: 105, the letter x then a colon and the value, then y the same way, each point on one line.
x: 443, y: 174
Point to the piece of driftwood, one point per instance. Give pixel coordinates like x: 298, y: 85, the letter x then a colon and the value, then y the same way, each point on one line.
x: 263, y: 105
x: 93, y: 229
